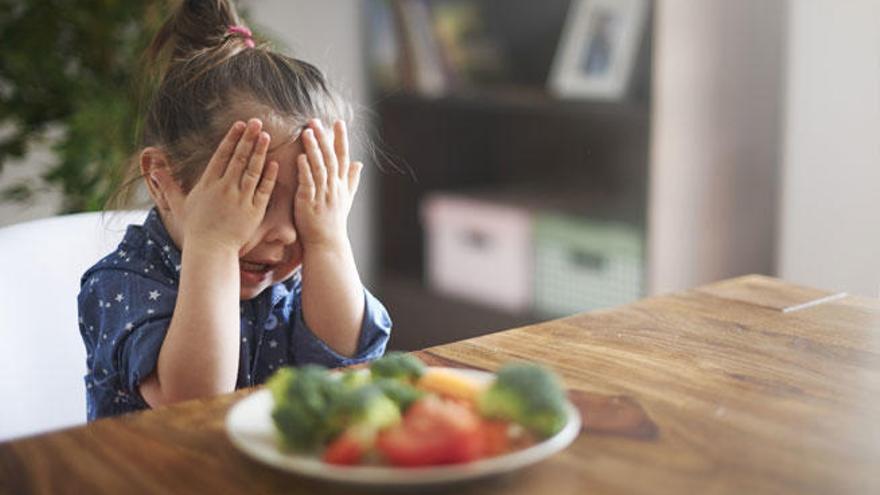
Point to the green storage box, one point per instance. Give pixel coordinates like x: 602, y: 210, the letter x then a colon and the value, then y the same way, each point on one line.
x: 583, y: 264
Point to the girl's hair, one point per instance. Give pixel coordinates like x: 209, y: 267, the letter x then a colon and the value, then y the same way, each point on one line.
x: 209, y: 75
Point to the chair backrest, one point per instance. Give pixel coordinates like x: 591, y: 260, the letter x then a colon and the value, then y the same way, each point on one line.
x: 42, y: 357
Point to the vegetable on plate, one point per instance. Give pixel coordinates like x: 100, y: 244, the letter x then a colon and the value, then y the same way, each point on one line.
x: 403, y: 413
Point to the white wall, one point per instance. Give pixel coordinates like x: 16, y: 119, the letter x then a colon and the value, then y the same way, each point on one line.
x: 830, y: 231
x: 328, y: 34
x: 715, y: 140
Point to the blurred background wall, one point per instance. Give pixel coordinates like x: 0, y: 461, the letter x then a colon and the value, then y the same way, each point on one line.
x: 828, y: 223
x: 715, y: 143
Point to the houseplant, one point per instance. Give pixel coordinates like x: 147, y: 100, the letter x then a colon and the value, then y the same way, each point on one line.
x: 69, y: 76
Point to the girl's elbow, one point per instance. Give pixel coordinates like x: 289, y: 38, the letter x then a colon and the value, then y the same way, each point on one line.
x: 158, y: 393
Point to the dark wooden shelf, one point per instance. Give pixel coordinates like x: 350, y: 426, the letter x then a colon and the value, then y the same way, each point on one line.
x: 497, y: 135
x: 460, y: 143
x: 519, y: 99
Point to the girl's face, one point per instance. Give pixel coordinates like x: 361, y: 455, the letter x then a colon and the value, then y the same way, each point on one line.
x: 274, y: 252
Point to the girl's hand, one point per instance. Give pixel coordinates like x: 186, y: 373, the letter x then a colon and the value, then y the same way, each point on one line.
x: 332, y: 293
x: 327, y: 185
x: 228, y: 202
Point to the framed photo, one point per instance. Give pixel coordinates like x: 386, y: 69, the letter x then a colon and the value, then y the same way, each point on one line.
x: 597, y: 49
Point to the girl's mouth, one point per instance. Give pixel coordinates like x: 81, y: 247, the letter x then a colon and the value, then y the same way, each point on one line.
x: 253, y: 267
x: 253, y: 273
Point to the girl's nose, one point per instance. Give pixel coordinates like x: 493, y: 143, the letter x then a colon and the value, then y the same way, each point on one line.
x: 279, y: 227
x: 284, y: 233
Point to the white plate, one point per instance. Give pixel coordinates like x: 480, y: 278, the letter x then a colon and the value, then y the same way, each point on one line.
x: 249, y: 426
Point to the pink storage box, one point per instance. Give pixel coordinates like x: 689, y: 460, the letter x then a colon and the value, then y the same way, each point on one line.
x: 479, y: 250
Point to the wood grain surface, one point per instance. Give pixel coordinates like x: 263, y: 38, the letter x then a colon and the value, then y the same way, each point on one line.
x: 714, y: 390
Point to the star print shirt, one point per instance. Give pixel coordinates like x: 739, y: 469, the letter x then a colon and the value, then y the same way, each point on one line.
x: 125, y: 305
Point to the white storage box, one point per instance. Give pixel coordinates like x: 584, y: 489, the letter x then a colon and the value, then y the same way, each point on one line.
x: 479, y: 250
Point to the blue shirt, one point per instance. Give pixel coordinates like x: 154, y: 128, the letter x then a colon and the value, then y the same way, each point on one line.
x: 127, y: 299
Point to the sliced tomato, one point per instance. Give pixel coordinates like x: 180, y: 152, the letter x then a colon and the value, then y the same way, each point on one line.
x: 433, y: 431
x: 347, y: 449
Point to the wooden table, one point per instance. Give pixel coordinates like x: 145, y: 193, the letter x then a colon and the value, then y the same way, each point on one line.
x: 745, y: 386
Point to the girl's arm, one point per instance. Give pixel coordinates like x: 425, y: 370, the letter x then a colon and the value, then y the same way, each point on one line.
x: 200, y: 353
x: 199, y: 356
x: 332, y: 293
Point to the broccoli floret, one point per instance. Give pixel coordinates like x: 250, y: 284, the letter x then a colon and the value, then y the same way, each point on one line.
x: 402, y: 393
x: 352, y: 379
x: 365, y: 407
x: 299, y: 428
x: 398, y: 365
x: 303, y: 398
x: 526, y: 394
x: 281, y: 382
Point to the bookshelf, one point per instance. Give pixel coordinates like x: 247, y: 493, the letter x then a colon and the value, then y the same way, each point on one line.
x: 500, y: 133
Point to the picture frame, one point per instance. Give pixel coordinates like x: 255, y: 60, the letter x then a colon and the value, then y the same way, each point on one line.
x: 597, y: 48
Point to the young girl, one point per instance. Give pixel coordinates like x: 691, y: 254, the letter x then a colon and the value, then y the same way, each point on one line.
x: 244, y: 264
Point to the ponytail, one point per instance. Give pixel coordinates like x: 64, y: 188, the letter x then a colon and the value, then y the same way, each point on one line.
x: 198, y: 26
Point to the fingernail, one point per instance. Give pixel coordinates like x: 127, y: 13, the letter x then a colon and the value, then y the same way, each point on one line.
x: 238, y: 125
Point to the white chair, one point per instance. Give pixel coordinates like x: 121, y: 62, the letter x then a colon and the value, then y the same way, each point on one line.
x: 42, y: 357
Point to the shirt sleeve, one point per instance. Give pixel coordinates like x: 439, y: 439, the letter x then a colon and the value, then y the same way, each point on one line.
x: 306, y: 347
x: 126, y: 316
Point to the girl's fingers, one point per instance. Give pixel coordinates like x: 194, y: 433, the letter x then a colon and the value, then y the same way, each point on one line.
x: 217, y: 165
x: 326, y: 149
x: 316, y: 162
x: 254, y: 170
x: 354, y: 177
x: 306, y: 189
x: 244, y: 148
x: 267, y: 184
x: 341, y: 143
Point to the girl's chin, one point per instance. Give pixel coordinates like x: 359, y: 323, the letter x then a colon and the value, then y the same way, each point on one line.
x: 253, y: 283
x: 248, y: 293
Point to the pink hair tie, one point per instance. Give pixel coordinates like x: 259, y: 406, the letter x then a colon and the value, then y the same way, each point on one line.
x: 244, y: 33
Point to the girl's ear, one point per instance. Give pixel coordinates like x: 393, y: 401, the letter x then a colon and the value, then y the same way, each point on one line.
x: 154, y: 162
